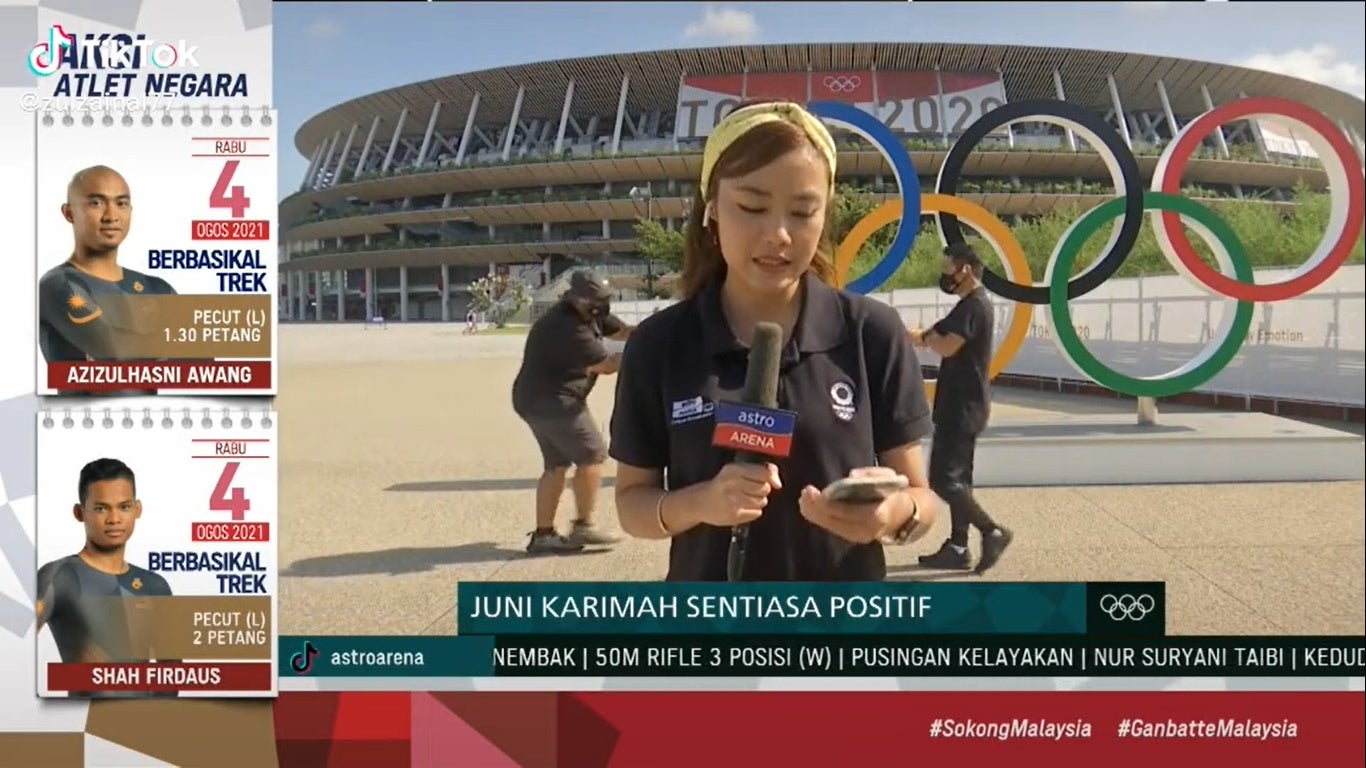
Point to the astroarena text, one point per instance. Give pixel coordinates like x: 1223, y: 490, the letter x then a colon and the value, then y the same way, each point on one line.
x: 398, y: 661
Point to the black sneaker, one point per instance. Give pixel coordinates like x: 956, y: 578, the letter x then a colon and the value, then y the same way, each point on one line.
x: 948, y: 558
x: 552, y: 543
x: 993, y: 545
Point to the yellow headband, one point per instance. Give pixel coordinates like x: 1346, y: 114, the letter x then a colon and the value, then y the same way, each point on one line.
x: 746, y: 119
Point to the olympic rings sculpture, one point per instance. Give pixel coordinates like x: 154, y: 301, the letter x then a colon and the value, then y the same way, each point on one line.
x: 1233, y: 281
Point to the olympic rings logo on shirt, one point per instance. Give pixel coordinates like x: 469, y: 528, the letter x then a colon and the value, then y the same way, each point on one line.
x: 843, y: 83
x: 1233, y: 281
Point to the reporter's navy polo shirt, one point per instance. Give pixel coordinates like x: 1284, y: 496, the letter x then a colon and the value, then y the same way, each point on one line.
x: 849, y: 372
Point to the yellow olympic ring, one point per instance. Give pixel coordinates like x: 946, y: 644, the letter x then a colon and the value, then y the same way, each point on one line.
x: 985, y: 222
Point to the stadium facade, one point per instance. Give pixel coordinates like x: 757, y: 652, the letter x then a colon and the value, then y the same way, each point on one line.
x: 414, y: 192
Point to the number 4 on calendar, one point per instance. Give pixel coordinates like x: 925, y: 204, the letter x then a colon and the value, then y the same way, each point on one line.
x: 229, y: 498
x: 228, y: 196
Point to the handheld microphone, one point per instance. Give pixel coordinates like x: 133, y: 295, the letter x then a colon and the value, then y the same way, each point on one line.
x: 761, y: 389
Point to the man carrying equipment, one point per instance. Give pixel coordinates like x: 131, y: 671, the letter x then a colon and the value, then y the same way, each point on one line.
x: 563, y: 359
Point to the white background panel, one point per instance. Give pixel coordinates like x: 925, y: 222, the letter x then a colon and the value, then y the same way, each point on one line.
x: 173, y: 484
x: 232, y: 36
x: 18, y: 311
x: 171, y: 172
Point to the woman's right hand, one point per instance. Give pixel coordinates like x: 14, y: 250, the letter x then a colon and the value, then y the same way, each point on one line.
x: 738, y: 494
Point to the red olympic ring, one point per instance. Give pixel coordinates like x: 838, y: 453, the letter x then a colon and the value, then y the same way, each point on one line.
x: 1168, y: 225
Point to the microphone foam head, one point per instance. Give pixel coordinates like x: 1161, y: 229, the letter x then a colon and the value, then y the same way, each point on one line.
x: 765, y: 362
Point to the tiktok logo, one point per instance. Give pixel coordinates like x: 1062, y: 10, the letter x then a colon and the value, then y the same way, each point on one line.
x: 302, y: 662
x: 46, y: 58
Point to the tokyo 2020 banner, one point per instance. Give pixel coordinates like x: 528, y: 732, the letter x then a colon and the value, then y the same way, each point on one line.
x: 1232, y: 281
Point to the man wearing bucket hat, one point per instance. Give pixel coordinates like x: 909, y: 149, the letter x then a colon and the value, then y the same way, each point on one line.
x: 563, y: 358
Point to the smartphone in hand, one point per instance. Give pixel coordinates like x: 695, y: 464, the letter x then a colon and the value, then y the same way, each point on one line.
x: 865, y: 490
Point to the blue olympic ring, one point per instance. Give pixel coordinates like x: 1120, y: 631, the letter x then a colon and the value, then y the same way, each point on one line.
x: 870, y: 128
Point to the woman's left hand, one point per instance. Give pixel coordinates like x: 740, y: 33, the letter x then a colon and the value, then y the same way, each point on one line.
x: 861, y: 523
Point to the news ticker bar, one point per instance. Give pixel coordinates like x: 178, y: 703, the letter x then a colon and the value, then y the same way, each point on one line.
x: 1125, y: 609
x: 830, y: 655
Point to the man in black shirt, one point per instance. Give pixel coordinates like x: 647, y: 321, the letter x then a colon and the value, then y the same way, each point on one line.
x: 80, y: 316
x: 563, y: 359
x: 962, y: 405
x: 90, y: 599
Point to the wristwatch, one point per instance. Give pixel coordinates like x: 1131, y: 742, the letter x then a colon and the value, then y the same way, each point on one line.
x: 903, y: 534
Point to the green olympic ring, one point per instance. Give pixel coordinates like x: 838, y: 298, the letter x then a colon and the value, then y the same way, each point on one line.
x: 1224, y: 344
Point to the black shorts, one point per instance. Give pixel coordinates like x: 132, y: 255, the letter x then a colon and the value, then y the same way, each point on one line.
x: 565, y: 439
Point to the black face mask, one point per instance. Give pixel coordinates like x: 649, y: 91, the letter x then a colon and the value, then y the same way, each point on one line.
x: 949, y: 284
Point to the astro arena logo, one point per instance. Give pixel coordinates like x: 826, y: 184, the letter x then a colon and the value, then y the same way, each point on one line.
x: 93, y: 52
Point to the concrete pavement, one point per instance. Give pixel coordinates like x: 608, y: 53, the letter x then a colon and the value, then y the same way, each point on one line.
x: 404, y: 471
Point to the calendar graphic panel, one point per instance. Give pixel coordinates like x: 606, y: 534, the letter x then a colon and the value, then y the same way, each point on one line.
x: 157, y: 256
x: 157, y: 552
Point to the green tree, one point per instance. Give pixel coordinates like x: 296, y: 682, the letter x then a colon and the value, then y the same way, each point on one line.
x: 1273, y: 234
x: 499, y: 297
x: 660, y: 247
x: 922, y: 265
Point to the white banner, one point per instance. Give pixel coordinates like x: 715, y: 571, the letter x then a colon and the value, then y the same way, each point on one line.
x: 1280, y: 140
x: 924, y: 104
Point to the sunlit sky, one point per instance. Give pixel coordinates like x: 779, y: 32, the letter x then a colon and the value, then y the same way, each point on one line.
x: 327, y: 53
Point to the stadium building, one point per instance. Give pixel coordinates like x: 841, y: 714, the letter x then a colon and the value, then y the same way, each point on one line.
x: 414, y: 192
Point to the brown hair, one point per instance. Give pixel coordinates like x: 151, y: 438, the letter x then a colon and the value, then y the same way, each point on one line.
x: 702, y: 260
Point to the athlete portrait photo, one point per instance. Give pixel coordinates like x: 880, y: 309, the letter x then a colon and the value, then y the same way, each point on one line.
x: 78, y: 316
x: 86, y: 599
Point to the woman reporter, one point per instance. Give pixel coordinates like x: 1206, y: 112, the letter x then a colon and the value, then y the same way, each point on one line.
x: 758, y: 250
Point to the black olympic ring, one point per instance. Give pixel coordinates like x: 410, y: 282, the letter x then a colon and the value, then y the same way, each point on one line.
x: 1132, y: 220
x: 1130, y: 607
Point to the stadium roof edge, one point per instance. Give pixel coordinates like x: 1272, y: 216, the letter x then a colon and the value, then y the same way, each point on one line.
x: 655, y: 76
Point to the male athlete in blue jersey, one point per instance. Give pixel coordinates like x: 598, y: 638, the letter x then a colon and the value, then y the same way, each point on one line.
x: 89, y: 599
x: 77, y: 320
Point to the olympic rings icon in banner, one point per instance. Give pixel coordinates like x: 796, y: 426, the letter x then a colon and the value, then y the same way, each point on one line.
x: 1233, y: 281
x: 1128, y: 607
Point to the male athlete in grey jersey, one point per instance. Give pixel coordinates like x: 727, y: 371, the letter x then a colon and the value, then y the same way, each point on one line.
x: 85, y: 597
x: 73, y: 324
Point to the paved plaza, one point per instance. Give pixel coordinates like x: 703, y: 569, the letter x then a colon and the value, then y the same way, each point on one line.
x: 404, y: 472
